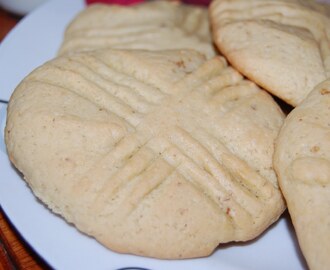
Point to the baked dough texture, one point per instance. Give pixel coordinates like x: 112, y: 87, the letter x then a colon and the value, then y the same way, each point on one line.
x: 160, y: 154
x: 283, y: 46
x: 154, y: 25
x: 302, y: 162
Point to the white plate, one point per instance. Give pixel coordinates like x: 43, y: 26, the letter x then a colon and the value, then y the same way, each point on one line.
x: 34, y: 41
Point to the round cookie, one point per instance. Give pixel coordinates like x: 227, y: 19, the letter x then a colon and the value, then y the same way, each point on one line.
x: 160, y: 154
x: 155, y: 25
x: 284, y: 46
x: 302, y: 162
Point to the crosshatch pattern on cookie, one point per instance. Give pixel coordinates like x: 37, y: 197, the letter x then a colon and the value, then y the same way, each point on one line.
x: 161, y: 149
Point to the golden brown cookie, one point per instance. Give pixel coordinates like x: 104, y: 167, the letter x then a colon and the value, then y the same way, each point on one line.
x: 284, y: 46
x: 302, y: 161
x: 160, y: 154
x: 154, y: 25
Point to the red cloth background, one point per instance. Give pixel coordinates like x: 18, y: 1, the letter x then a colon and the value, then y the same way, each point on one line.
x: 132, y: 2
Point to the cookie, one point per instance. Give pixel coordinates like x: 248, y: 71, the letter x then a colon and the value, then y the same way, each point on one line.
x: 283, y: 46
x: 160, y: 154
x: 302, y: 162
x: 155, y: 25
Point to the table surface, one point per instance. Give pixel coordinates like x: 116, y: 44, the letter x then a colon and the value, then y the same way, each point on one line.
x: 14, y: 252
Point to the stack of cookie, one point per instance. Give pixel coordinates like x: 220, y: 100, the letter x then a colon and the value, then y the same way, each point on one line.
x: 284, y: 46
x: 159, y: 140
